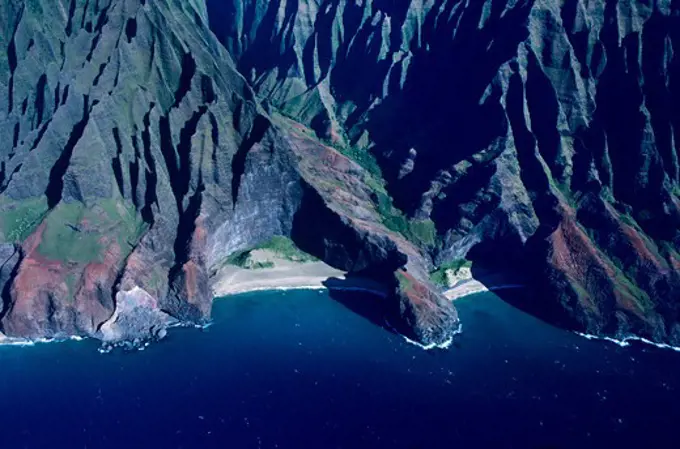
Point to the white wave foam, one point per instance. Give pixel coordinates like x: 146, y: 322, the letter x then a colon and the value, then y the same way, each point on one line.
x: 319, y: 288
x: 626, y: 341
x: 26, y: 342
x: 443, y: 345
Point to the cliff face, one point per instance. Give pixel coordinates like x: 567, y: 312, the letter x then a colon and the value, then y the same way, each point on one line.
x: 146, y: 141
x: 543, y: 132
x: 136, y: 157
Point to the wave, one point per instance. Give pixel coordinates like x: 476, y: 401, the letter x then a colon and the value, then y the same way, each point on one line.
x: 443, y: 345
x: 33, y: 342
x: 625, y: 342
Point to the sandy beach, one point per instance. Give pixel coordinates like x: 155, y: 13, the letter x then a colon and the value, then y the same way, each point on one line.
x: 473, y: 286
x: 232, y: 280
x: 465, y: 288
x: 287, y: 275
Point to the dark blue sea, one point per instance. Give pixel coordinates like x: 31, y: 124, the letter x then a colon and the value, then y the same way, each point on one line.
x: 299, y: 370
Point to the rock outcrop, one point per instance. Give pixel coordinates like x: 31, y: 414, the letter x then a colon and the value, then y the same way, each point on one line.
x: 146, y: 141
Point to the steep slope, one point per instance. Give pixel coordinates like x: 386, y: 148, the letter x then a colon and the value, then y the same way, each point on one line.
x: 137, y: 157
x: 148, y: 141
x: 543, y: 131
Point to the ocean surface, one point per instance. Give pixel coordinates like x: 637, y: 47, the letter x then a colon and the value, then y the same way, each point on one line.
x: 299, y: 370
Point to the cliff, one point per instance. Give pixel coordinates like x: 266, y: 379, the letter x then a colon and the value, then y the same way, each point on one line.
x: 148, y: 141
x: 534, y: 134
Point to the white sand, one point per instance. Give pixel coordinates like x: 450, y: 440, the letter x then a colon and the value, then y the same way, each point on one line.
x: 287, y: 275
x: 465, y: 288
x: 474, y: 286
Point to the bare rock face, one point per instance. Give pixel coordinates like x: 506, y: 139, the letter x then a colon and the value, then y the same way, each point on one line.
x: 112, y: 115
x: 137, y: 157
x: 146, y: 141
x: 545, y: 131
x: 137, y: 318
x: 422, y: 313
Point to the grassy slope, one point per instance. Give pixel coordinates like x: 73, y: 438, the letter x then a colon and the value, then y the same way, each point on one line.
x: 283, y: 247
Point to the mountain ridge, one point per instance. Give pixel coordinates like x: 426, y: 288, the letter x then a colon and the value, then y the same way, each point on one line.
x: 150, y: 140
x: 543, y: 128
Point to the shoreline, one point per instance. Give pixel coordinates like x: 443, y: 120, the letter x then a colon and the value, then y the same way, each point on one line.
x: 232, y: 280
x: 625, y: 341
x: 11, y: 341
x: 463, y: 289
x: 471, y: 287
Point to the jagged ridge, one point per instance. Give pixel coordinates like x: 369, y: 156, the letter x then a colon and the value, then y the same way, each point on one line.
x: 543, y: 131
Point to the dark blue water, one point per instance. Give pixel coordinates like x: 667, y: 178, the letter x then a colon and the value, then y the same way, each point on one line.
x: 297, y: 370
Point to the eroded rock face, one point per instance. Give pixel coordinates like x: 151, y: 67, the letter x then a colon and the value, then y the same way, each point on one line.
x: 137, y: 318
x: 112, y: 115
x: 545, y: 132
x: 136, y: 157
x: 145, y: 141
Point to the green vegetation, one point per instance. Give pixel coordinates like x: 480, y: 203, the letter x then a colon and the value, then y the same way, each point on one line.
x: 559, y: 186
x: 18, y: 221
x: 283, y: 247
x: 363, y: 158
x: 129, y: 225
x: 156, y: 282
x: 72, y: 283
x: 439, y: 277
x: 420, y: 232
x: 629, y: 220
x: 77, y: 233
x: 64, y: 238
x: 244, y: 259
x: 261, y: 265
x: 239, y: 259
x: 424, y: 231
x: 668, y: 251
x: 405, y: 283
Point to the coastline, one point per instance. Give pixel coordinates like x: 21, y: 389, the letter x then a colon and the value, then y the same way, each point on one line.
x: 625, y: 341
x: 285, y: 275
x: 10, y: 341
x: 231, y: 280
x: 473, y: 286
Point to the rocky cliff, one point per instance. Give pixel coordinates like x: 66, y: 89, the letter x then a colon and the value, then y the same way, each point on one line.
x: 136, y: 157
x: 534, y: 134
x: 145, y: 141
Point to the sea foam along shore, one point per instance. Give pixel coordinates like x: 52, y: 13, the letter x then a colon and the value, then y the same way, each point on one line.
x: 9, y: 341
x: 624, y: 342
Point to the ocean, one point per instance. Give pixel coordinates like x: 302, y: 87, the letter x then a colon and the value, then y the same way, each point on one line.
x: 299, y: 369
